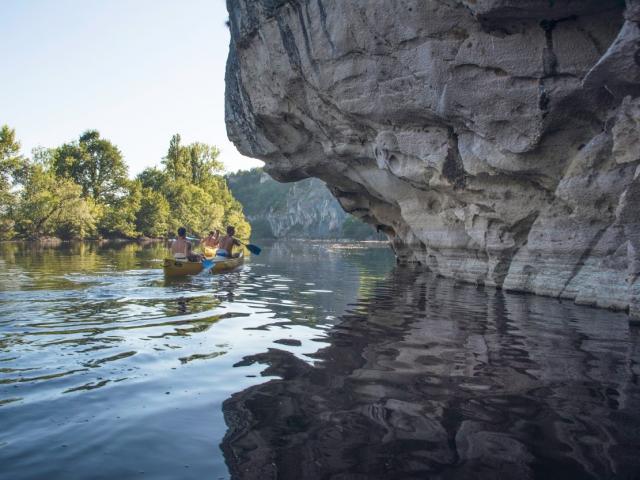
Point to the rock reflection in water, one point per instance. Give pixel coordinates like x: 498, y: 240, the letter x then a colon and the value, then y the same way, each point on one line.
x: 429, y: 379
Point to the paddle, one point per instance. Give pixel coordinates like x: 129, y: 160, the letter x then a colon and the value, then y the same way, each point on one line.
x: 251, y: 247
x: 208, y: 263
x: 208, y: 258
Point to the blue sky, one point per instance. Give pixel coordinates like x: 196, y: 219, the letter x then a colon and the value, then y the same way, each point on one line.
x: 136, y: 70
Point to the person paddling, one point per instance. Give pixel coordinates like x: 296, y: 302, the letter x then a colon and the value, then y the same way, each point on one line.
x: 181, y: 247
x: 213, y: 239
x: 226, y: 244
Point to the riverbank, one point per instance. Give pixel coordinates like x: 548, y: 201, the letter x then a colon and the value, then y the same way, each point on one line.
x: 55, y: 241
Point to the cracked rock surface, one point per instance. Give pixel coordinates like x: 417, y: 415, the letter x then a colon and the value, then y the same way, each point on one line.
x: 493, y: 141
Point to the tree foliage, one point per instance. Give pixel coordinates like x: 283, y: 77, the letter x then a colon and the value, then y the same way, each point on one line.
x: 49, y: 205
x: 153, y: 217
x: 195, y: 163
x: 94, y: 163
x: 197, y: 195
x: 11, y: 164
x: 121, y: 213
x: 153, y: 178
x: 10, y: 159
x: 80, y: 189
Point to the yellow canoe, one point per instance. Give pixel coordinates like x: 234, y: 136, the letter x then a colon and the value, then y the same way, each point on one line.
x: 228, y: 265
x: 179, y: 268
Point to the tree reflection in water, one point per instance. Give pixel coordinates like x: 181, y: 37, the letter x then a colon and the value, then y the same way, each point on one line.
x: 431, y: 379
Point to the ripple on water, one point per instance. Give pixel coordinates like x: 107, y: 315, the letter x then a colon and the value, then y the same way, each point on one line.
x: 334, y: 365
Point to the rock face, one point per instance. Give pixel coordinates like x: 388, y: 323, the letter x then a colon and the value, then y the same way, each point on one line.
x: 494, y: 141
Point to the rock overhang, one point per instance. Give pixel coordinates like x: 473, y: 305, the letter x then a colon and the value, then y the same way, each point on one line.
x: 493, y: 141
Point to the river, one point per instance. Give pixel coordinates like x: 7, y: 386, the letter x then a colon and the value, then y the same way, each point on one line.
x: 315, y: 360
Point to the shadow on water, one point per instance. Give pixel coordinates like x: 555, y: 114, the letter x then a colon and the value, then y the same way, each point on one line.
x: 426, y: 378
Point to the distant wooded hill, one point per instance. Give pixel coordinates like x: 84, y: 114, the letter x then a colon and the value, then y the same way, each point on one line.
x: 302, y: 209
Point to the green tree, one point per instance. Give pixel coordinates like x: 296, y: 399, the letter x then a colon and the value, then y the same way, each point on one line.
x: 198, y: 195
x: 236, y: 218
x: 203, y: 163
x: 176, y: 163
x: 43, y: 157
x: 10, y: 159
x: 11, y: 163
x: 152, y: 219
x: 51, y: 205
x: 81, y: 188
x: 233, y: 208
x: 121, y: 214
x: 196, y: 162
x: 193, y: 208
x: 95, y: 164
x: 153, y: 178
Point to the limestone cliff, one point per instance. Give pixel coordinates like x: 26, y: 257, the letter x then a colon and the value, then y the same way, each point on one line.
x: 302, y: 210
x: 494, y: 141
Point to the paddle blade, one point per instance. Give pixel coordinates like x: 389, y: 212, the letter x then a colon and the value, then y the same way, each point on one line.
x: 253, y: 248
x: 207, y: 264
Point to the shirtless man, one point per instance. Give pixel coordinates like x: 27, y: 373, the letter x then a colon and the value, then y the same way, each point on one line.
x: 181, y: 247
x: 225, y: 247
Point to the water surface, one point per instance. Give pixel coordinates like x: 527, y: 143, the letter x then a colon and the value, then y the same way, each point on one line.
x: 313, y: 361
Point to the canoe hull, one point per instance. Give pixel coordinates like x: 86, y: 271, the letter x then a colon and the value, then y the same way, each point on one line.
x: 176, y: 268
x: 228, y: 265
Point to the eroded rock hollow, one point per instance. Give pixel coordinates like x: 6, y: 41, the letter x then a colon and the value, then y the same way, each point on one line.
x: 493, y: 141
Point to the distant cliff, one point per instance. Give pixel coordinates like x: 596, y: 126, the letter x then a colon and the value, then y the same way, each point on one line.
x: 304, y: 209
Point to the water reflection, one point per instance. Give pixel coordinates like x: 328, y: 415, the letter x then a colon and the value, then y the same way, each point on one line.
x: 328, y: 366
x: 429, y: 379
x: 107, y: 370
x: 34, y: 266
